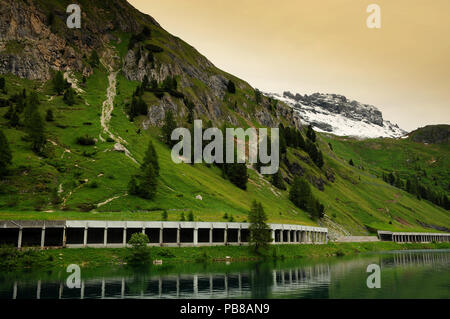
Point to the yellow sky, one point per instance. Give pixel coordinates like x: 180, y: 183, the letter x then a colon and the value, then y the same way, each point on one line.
x: 309, y: 46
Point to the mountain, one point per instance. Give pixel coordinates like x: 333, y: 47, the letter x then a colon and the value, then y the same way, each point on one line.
x: 35, y: 41
x: 96, y: 140
x: 335, y: 114
x: 432, y: 134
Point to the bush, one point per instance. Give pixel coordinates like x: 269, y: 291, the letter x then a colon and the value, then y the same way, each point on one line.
x: 139, y: 253
x: 164, y: 252
x: 85, y: 140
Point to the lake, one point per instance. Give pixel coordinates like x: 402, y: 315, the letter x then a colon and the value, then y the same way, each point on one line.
x: 404, y: 274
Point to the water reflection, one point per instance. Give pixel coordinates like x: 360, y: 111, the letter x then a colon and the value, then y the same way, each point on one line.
x: 261, y: 280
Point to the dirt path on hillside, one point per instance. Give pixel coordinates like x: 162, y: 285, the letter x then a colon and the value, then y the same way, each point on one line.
x: 108, y: 105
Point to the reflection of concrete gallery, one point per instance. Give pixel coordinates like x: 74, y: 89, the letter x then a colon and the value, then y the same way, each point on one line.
x: 117, y: 233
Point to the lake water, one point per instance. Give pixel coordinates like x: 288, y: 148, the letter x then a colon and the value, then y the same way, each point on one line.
x: 405, y: 274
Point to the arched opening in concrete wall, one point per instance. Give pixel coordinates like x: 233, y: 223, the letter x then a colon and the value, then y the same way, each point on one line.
x: 203, y: 235
x: 54, y: 237
x: 169, y: 235
x: 74, y: 236
x: 187, y: 235
x: 9, y: 236
x: 153, y: 235
x: 115, y: 235
x: 232, y: 236
x: 31, y: 237
x: 96, y: 236
x: 218, y: 235
x: 131, y: 231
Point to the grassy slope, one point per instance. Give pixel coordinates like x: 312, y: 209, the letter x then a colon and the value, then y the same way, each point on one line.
x: 357, y: 199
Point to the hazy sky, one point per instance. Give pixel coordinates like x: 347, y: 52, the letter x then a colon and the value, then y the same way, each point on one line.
x: 308, y: 46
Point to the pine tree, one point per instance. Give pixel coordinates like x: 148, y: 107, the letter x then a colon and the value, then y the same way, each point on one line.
x: 258, y: 96
x: 14, y: 119
x: 59, y: 84
x: 36, y: 133
x: 148, y: 183
x: 231, y: 87
x: 151, y: 158
x: 8, y: 113
x: 164, y: 215
x: 237, y: 174
x: 311, y: 149
x: 191, y: 216
x: 182, y: 218
x: 319, y: 160
x: 260, y: 235
x: 311, y: 134
x: 29, y: 113
x: 277, y: 180
x: 69, y: 96
x: 168, y: 127
x: 49, y: 116
x: 2, y: 84
x: 133, y: 188
x: 300, y: 193
x: 5, y: 154
x: 94, y: 60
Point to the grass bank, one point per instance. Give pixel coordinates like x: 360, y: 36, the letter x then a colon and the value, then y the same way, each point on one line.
x: 12, y: 259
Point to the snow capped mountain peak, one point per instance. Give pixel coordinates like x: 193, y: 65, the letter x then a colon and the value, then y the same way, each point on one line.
x: 335, y: 114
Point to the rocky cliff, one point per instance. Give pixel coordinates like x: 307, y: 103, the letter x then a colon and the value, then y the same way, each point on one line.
x: 334, y: 113
x: 35, y: 40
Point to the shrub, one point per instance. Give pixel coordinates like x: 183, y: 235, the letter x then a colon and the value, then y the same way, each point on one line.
x: 49, y: 116
x: 85, y: 140
x: 231, y: 88
x: 139, y: 253
x: 164, y: 252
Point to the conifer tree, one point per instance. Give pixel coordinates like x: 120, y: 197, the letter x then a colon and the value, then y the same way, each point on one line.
x: 14, y: 119
x: 277, y: 180
x: 260, y: 235
x: 69, y: 96
x: 2, y: 84
x: 151, y: 158
x: 168, y: 127
x: 311, y: 134
x: 59, y: 84
x: 231, y: 87
x: 36, y: 133
x: 49, y: 116
x: 5, y: 154
x: 300, y: 193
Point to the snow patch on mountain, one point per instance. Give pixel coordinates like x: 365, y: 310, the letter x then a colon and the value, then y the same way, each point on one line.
x: 335, y: 114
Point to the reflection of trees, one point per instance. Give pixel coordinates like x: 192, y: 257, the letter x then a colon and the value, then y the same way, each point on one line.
x: 261, y: 280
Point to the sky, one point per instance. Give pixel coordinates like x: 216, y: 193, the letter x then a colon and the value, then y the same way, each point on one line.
x: 307, y: 46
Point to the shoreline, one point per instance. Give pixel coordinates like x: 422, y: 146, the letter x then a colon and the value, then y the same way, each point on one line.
x: 13, y: 260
